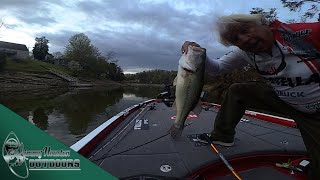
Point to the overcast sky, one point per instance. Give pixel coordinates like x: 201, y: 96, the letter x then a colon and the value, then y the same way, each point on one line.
x: 144, y: 34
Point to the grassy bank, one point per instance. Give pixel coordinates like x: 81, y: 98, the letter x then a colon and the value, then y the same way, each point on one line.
x: 32, y: 66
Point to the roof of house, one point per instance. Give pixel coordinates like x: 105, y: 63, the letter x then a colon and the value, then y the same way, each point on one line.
x: 14, y: 46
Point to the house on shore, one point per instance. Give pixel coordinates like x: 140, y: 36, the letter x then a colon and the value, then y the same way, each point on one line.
x: 13, y: 50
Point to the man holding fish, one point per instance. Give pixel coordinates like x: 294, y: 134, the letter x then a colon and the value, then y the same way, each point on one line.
x: 288, y: 55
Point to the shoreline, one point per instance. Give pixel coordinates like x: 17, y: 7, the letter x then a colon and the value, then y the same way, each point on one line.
x: 26, y: 81
x: 141, y: 84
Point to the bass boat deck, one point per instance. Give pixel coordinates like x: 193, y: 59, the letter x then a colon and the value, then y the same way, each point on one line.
x: 135, y: 144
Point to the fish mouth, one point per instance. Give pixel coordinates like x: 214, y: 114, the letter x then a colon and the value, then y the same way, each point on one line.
x: 198, y: 49
x: 188, y: 70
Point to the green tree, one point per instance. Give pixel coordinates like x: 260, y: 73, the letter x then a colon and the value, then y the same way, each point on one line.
x: 153, y: 77
x: 92, y: 62
x: 80, y: 49
x: 41, y: 48
x: 115, y: 72
x: 296, y: 5
x: 270, y: 15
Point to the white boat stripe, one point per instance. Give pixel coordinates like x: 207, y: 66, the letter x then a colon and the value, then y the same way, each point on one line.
x: 255, y: 113
x: 85, y: 140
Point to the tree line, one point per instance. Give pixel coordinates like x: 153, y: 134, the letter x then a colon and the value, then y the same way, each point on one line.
x: 152, y: 77
x: 82, y: 57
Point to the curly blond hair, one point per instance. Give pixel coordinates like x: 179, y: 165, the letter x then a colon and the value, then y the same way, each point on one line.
x: 233, y: 22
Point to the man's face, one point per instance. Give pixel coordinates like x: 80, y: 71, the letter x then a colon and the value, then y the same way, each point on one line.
x: 250, y: 37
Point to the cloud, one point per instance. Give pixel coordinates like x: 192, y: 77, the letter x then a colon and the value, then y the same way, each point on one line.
x: 18, y: 3
x: 44, y: 21
x: 147, y: 35
x: 57, y: 41
x: 144, y: 34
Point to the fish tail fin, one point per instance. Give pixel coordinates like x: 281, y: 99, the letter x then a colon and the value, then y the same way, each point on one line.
x: 175, y: 132
x: 198, y: 108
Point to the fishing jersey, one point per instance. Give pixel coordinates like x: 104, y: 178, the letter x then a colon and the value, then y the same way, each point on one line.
x: 293, y: 68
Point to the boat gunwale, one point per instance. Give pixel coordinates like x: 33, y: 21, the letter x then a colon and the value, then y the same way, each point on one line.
x: 81, y: 145
x: 263, y: 116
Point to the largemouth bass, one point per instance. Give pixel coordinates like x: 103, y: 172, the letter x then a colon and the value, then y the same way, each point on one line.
x: 189, y: 83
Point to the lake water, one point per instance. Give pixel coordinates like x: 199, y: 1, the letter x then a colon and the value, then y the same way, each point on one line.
x: 69, y: 115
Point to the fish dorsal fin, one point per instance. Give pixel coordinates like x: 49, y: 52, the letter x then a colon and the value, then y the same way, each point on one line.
x: 175, y: 81
x: 197, y: 110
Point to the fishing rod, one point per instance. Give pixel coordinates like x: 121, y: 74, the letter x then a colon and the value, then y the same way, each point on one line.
x: 135, y: 147
x: 119, y: 132
x: 224, y: 160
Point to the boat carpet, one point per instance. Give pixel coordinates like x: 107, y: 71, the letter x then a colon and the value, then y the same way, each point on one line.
x: 133, y: 148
